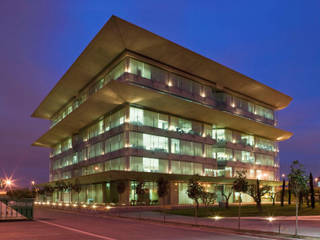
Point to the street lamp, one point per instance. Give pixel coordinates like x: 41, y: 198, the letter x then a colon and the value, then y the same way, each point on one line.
x: 8, y: 182
x: 283, y: 175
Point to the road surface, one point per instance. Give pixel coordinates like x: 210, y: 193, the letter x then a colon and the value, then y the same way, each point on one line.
x: 52, y: 224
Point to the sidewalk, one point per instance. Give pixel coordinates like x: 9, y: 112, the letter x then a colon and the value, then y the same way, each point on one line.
x: 308, y: 225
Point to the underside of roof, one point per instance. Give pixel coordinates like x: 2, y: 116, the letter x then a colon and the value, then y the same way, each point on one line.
x: 117, y: 36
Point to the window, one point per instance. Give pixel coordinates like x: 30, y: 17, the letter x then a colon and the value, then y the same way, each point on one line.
x: 247, y: 140
x: 175, y: 146
x: 114, y: 143
x: 148, y: 142
x: 223, y: 154
x: 141, y: 164
x: 136, y: 116
x: 156, y: 143
x: 223, y: 135
x: 181, y: 125
x: 265, y: 144
x: 247, y: 157
x: 139, y: 68
x: 148, y: 118
x: 115, y: 164
x: 186, y: 147
x: 263, y: 159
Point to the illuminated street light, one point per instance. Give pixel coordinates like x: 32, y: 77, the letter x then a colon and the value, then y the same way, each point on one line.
x: 270, y: 219
x: 33, y: 183
x: 8, y: 182
x: 283, y: 175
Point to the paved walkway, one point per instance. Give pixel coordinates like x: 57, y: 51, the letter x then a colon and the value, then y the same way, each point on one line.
x: 308, y: 225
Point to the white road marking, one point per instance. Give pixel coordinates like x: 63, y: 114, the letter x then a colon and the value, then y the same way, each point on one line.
x: 76, y: 230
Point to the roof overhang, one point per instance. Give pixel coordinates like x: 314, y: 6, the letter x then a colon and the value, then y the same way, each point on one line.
x: 147, y: 176
x: 117, y: 36
x: 116, y: 93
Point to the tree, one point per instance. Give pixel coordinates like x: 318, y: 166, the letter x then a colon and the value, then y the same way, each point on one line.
x: 17, y: 194
x: 256, y: 192
x: 61, y: 186
x: 163, y: 190
x: 69, y: 187
x: 140, y: 191
x: 208, y: 198
x: 273, y: 195
x: 298, y: 184
x: 289, y: 192
x: 226, y: 194
x: 311, y: 191
x: 77, y: 188
x: 195, y: 191
x: 283, y: 191
x: 48, y: 190
x: 121, y: 187
x: 240, y: 185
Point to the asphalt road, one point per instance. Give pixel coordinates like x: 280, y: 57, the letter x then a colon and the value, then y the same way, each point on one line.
x: 59, y: 225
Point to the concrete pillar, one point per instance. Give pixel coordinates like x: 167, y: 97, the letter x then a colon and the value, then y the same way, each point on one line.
x: 174, y: 193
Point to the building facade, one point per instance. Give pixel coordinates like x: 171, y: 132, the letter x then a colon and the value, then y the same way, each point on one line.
x: 135, y: 107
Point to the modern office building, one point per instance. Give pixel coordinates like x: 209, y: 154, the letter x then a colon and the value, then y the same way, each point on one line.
x: 135, y: 107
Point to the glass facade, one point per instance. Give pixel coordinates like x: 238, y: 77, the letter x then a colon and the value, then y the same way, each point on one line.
x: 158, y: 144
x: 148, y: 142
x: 143, y: 164
x: 187, y: 168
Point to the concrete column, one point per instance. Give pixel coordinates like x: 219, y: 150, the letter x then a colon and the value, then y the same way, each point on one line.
x: 173, y: 193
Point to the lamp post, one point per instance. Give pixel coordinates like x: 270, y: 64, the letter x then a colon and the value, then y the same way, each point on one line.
x: 283, y: 189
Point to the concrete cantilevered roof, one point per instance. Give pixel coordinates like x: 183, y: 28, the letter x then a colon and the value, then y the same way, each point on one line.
x: 118, y: 35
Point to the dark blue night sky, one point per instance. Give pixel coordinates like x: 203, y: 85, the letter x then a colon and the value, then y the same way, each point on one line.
x: 274, y: 42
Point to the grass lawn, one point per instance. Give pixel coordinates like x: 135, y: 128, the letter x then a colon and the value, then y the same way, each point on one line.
x: 248, y: 211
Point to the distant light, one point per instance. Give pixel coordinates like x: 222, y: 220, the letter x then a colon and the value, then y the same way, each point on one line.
x: 96, y: 168
x: 283, y: 175
x: 170, y: 84
x: 108, y: 207
x: 270, y: 219
x: 74, y: 205
x: 84, y: 206
x: 8, y: 182
x: 217, y: 218
x: 60, y: 204
x: 233, y: 105
x: 33, y: 182
x: 94, y: 206
x: 67, y: 204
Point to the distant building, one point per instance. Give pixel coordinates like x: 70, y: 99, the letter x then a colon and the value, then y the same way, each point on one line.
x: 134, y: 107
